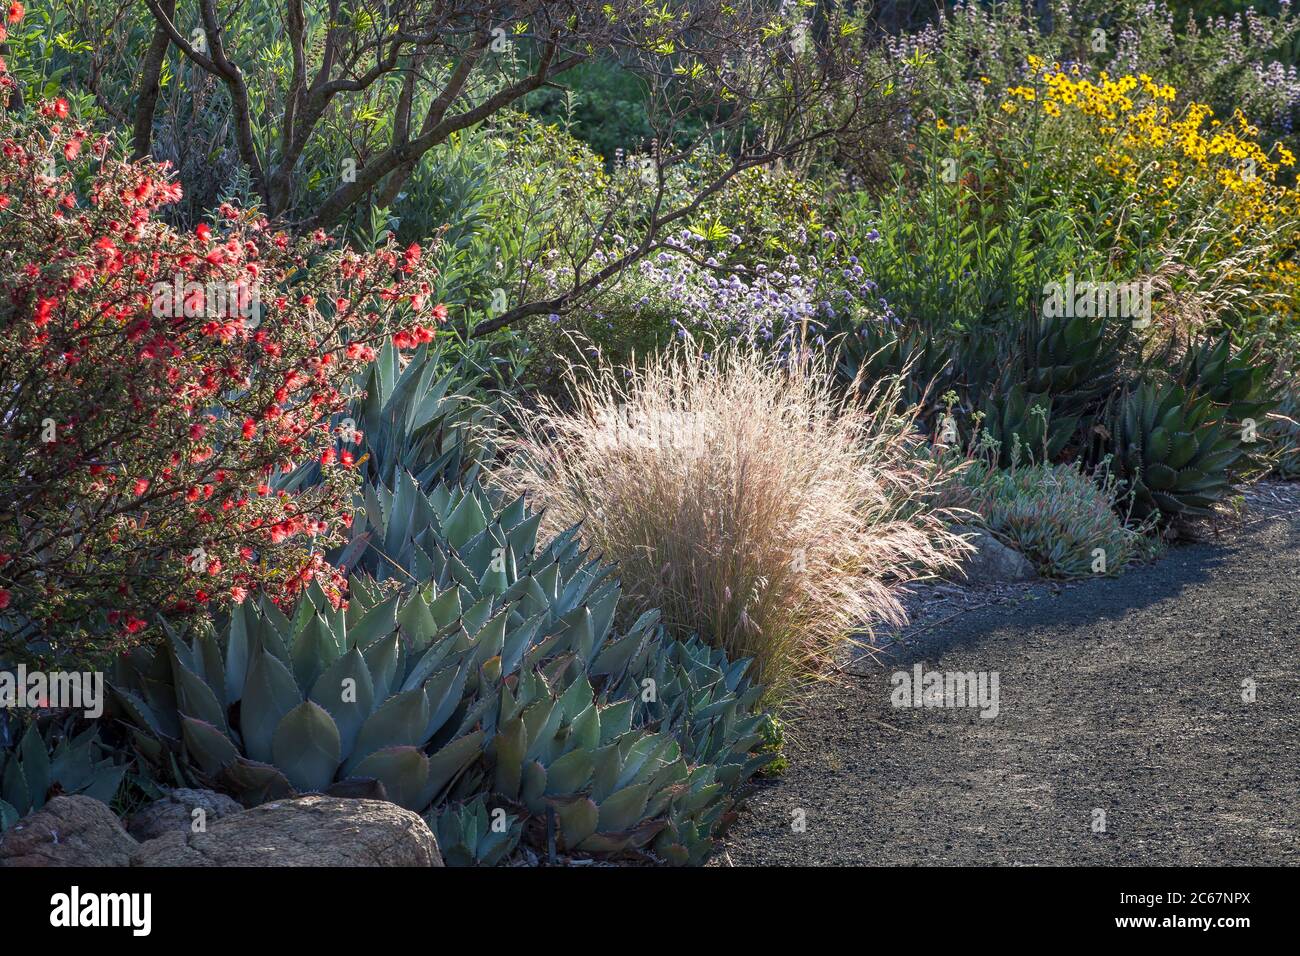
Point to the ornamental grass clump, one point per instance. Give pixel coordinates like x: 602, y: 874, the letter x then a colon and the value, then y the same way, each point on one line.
x: 736, y: 492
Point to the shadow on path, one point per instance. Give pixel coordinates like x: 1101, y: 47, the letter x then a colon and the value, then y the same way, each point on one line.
x: 1124, y: 734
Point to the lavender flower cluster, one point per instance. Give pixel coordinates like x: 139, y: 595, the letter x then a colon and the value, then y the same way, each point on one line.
x: 775, y: 304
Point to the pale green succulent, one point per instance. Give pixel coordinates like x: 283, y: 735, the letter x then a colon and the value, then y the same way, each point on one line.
x: 417, y: 417
x: 482, y: 665
x: 278, y: 705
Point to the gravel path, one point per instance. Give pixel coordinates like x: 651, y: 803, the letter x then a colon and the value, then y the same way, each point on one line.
x: 1119, y: 695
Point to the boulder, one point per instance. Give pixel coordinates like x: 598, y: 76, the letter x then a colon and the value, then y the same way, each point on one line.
x: 68, y: 831
x: 993, y: 562
x: 176, y: 812
x: 308, y: 831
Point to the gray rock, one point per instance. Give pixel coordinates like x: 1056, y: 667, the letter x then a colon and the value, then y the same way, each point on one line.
x: 68, y: 831
x: 176, y: 812
x: 993, y: 562
x: 308, y: 831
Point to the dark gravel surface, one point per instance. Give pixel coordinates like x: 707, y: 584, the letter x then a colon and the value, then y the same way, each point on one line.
x: 1118, y: 695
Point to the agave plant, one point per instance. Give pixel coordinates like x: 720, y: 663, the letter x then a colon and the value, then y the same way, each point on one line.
x: 872, y: 351
x: 708, y: 704
x: 705, y: 701
x: 391, y: 687
x: 419, y: 418
x: 50, y: 763
x: 282, y: 705
x: 1231, y: 379
x: 1282, y: 431
x: 1074, y: 359
x: 468, y: 662
x: 1173, y: 450
x: 471, y: 835
x: 415, y: 415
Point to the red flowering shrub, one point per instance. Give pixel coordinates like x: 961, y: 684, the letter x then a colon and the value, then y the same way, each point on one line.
x: 152, y: 384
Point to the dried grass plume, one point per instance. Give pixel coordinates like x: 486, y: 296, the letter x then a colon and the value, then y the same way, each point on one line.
x: 741, y: 495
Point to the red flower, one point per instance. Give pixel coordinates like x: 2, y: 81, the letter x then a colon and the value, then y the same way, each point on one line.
x: 141, y: 486
x: 16, y: 11
x: 43, y: 309
x: 411, y: 258
x: 203, y: 231
x: 5, y: 598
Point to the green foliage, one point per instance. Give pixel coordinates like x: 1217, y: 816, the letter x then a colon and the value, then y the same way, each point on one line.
x: 601, y: 103
x: 764, y: 211
x: 48, y: 763
x: 1056, y: 516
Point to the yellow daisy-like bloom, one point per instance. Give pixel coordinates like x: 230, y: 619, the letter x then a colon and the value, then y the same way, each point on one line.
x: 1143, y: 140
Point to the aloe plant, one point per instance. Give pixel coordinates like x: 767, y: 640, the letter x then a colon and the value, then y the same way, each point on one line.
x: 1234, y: 380
x: 1174, y: 450
x: 1022, y: 425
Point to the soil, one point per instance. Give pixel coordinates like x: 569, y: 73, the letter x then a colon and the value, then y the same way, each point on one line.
x: 1122, y: 696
